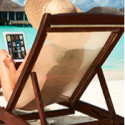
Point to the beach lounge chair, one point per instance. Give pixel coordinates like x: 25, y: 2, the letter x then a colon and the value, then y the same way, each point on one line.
x: 108, y: 29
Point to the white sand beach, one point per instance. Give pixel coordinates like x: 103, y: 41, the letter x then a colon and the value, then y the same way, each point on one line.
x: 93, y: 95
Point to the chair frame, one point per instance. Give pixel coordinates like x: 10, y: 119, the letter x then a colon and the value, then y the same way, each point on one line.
x: 70, y: 23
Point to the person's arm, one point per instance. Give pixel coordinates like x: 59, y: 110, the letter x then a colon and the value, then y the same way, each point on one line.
x: 19, y: 70
x: 15, y: 73
x: 8, y: 61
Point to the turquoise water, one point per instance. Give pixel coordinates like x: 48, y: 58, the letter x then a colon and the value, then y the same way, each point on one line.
x: 29, y: 33
x: 116, y: 58
x: 114, y: 61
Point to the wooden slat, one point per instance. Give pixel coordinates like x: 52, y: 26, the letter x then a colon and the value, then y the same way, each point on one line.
x: 106, y: 94
x: 85, y: 18
x: 82, y: 29
x: 90, y: 73
x: 87, y: 26
x: 93, y: 111
x: 11, y: 119
x: 39, y: 41
x: 55, y: 113
x: 38, y: 99
x: 59, y: 113
x: 119, y: 34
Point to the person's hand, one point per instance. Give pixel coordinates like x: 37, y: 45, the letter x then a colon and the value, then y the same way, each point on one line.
x: 8, y: 61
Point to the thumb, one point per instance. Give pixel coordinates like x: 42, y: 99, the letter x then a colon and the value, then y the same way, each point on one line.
x: 8, y: 55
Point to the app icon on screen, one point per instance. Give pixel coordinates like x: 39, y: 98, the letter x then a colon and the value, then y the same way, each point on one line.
x: 17, y: 42
x: 22, y: 48
x: 18, y: 49
x: 10, y: 49
x: 8, y: 38
x: 23, y: 54
x: 17, y: 37
x: 18, y: 45
x: 21, y: 37
x: 21, y: 43
x: 9, y: 44
x: 14, y: 44
x: 12, y: 38
x: 19, y: 55
x: 14, y: 49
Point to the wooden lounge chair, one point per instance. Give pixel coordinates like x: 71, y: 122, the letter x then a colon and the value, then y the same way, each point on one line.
x: 81, y: 22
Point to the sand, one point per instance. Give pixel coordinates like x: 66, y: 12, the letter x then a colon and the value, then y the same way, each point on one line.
x: 93, y: 95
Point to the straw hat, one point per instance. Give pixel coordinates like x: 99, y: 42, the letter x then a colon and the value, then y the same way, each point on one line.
x: 36, y: 8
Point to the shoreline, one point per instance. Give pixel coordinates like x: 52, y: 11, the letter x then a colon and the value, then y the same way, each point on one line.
x: 112, y: 74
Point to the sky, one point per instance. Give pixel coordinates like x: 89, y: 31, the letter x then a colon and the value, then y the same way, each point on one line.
x: 85, y: 5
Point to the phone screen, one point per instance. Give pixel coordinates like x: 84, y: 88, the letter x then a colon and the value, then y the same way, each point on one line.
x: 16, y: 46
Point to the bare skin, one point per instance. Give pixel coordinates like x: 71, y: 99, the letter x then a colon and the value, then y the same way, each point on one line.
x: 8, y: 73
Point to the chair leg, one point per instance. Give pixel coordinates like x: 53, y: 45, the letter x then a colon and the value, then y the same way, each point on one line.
x: 38, y: 99
x: 106, y: 94
x: 11, y: 119
x: 95, y: 112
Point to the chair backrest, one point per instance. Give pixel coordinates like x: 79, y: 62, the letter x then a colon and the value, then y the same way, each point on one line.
x: 64, y: 69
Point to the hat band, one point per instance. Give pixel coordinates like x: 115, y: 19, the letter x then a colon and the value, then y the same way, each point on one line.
x: 44, y: 8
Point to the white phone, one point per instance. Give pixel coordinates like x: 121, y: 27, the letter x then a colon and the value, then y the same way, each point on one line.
x: 15, y: 45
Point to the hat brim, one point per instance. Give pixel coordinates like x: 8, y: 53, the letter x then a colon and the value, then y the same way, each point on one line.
x: 34, y: 10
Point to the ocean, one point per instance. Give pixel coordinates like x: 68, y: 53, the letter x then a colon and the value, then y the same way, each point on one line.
x: 114, y: 61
